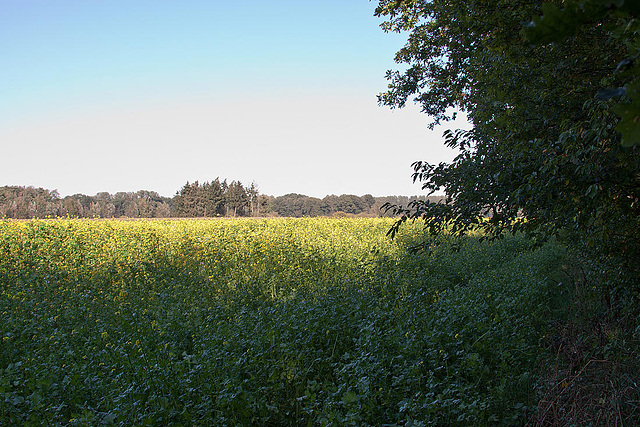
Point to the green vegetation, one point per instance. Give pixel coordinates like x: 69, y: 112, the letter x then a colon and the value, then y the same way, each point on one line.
x: 544, y: 154
x: 268, y: 322
x: 328, y: 322
x: 195, y: 200
x: 551, y: 90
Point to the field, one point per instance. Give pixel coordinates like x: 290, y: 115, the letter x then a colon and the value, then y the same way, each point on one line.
x: 268, y: 322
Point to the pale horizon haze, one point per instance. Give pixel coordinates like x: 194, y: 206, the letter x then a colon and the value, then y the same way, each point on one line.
x: 147, y: 95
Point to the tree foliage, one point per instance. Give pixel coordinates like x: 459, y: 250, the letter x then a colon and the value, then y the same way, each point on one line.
x: 547, y: 87
x: 29, y: 202
x: 620, y: 18
x: 196, y: 200
x: 209, y: 199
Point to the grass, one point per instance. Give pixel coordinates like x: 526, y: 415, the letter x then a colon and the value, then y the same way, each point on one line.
x: 268, y: 322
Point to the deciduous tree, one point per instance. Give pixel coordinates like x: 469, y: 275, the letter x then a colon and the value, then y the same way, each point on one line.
x: 545, y: 154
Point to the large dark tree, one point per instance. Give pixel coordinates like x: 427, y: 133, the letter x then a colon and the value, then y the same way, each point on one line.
x: 189, y: 201
x: 201, y: 200
x: 213, y: 197
x: 236, y: 199
x: 544, y: 154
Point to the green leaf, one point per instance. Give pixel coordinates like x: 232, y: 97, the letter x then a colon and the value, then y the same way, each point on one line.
x: 349, y: 397
x: 557, y: 24
x: 628, y: 125
x: 629, y: 114
x: 554, y: 25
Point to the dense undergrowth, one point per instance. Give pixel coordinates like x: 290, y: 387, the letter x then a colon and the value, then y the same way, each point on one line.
x: 591, y: 375
x: 269, y: 322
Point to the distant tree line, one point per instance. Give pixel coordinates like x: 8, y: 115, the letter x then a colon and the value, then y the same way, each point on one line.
x: 29, y: 202
x: 209, y: 199
x: 299, y: 205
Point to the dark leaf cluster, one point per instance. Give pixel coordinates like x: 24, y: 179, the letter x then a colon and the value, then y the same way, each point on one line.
x: 550, y: 89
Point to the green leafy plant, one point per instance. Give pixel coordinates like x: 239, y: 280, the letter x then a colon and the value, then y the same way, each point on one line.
x: 287, y: 322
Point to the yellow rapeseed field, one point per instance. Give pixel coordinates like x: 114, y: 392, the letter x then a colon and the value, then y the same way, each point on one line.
x: 264, y: 321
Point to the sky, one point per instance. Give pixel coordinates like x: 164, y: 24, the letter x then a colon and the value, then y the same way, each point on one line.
x: 124, y: 95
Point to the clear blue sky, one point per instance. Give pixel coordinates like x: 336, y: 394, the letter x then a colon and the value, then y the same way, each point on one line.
x: 128, y: 95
